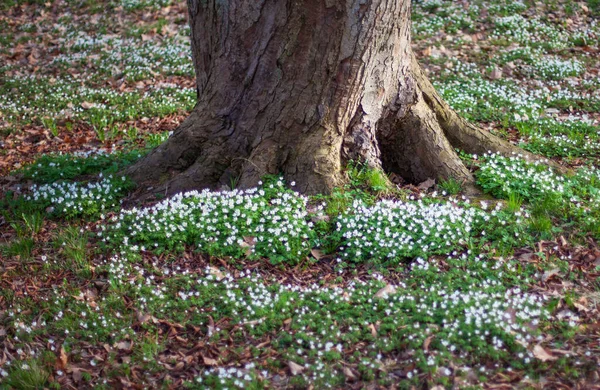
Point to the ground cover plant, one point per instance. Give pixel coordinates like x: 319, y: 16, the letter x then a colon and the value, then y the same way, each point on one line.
x: 381, y: 284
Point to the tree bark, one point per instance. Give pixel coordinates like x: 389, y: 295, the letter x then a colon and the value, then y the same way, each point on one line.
x: 301, y: 87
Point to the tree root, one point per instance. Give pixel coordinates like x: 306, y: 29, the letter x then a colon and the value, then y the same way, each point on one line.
x: 417, y: 148
x: 464, y: 135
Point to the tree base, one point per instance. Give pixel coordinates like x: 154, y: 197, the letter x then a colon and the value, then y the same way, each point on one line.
x: 415, y: 137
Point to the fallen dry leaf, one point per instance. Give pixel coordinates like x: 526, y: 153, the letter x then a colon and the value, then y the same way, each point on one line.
x: 540, y: 353
x: 427, y: 342
x: 124, y: 345
x: 295, y: 368
x: 496, y: 74
x: 549, y: 274
x: 384, y: 292
x: 77, y: 375
x: 427, y: 184
x: 143, y: 318
x: 62, y: 358
x: 349, y: 374
x: 317, y: 254
x: 373, y: 330
x: 209, y: 361
x: 214, y: 271
x: 248, y: 244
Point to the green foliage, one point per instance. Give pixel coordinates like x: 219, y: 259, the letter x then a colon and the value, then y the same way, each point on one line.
x: 27, y: 375
x: 571, y: 200
x: 72, y: 244
x: 76, y: 199
x: 51, y: 168
x: 371, y: 179
x: 502, y: 176
x: 268, y: 222
x: 22, y: 248
x: 450, y: 186
x: 31, y: 224
x: 134, y: 5
x: 551, y: 138
x: 458, y: 303
x: 33, y: 98
x: 594, y: 5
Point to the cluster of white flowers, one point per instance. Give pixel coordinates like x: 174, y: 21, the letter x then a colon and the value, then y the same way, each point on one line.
x: 465, y: 69
x: 512, y: 312
x: 237, y: 377
x: 508, y: 7
x: 75, y: 198
x: 586, y: 34
x: 486, y: 314
x: 63, y: 98
x: 589, y: 199
x: 563, y: 145
x: 395, y: 229
x: 476, y: 93
x: 429, y: 4
x: 517, y: 28
x: 555, y: 68
x: 233, y: 223
x: 132, y: 58
x: 526, y: 54
x: 49, y: 167
x: 144, y: 4
x: 589, y: 175
x: 503, y: 176
x: 451, y: 18
x: 428, y: 26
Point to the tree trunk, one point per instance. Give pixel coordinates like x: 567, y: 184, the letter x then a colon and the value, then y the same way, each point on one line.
x: 300, y: 88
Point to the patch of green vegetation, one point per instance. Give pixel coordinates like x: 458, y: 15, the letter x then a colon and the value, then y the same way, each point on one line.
x: 77, y: 199
x: 568, y: 139
x: 26, y: 375
x: 450, y: 186
x: 21, y: 248
x: 133, y: 5
x: 594, y: 5
x: 27, y: 99
x: 7, y: 4
x: 408, y: 291
x: 51, y: 168
x: 502, y: 176
x: 72, y: 244
x: 236, y: 223
x: 573, y: 200
x: 329, y: 321
x: 371, y: 179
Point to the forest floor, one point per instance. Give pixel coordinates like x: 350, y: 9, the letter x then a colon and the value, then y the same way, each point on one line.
x: 378, y: 285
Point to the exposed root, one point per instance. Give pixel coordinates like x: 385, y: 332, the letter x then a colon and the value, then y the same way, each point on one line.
x: 462, y: 134
x: 205, y: 172
x: 314, y: 162
x: 415, y: 147
x: 262, y: 161
x: 360, y: 142
x: 182, y: 149
x: 217, y: 162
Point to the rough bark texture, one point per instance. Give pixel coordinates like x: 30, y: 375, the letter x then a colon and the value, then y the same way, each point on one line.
x: 301, y: 87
